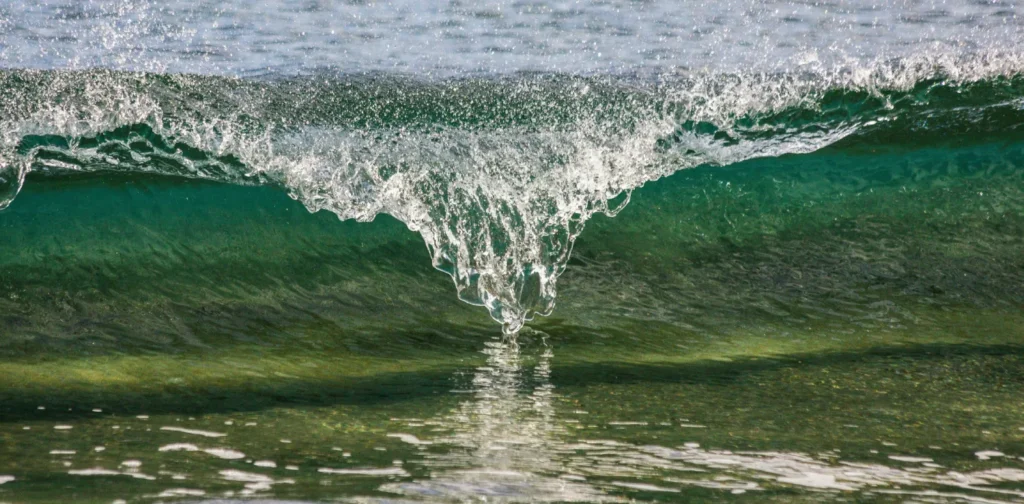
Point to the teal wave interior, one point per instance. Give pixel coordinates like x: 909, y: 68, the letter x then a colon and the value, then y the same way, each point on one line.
x: 861, y: 231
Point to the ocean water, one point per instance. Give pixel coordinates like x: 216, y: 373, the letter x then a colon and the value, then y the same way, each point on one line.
x: 521, y: 251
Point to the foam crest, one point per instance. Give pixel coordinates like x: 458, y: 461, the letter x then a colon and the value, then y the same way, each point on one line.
x: 499, y: 176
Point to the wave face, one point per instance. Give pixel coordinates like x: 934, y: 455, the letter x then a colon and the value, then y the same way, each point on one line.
x: 499, y: 175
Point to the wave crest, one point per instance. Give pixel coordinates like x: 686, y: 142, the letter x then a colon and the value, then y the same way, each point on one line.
x: 499, y: 176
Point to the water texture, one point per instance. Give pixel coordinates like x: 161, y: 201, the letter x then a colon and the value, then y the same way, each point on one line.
x: 750, y: 251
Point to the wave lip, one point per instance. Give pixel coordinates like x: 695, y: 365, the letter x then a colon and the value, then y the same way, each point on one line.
x: 499, y: 176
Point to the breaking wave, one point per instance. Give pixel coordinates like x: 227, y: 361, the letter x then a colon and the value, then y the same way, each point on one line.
x: 499, y: 175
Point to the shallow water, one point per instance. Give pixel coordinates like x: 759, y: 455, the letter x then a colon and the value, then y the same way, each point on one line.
x: 786, y: 240
x: 939, y: 421
x: 867, y: 350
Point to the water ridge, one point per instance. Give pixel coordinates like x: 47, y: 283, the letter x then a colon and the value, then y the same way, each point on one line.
x: 498, y: 175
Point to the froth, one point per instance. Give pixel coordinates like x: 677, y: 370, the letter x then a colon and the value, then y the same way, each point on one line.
x: 499, y: 177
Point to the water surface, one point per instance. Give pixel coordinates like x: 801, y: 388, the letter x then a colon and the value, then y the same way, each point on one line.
x: 521, y: 252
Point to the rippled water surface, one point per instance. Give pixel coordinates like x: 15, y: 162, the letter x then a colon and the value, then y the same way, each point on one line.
x: 864, y: 351
x: 453, y: 37
x: 308, y: 252
x: 934, y: 423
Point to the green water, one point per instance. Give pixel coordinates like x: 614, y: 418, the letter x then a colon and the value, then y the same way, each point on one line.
x: 593, y: 251
x: 837, y: 326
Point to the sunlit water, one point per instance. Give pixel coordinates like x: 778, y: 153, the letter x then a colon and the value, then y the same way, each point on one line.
x: 786, y: 237
x: 868, y: 348
x: 511, y: 429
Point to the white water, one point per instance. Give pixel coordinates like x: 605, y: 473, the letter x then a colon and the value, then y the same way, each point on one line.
x: 498, y: 176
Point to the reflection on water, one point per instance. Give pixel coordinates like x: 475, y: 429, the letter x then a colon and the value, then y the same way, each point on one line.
x: 506, y: 443
x: 505, y: 434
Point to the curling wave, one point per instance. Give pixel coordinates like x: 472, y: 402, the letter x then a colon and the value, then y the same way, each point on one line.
x: 498, y: 175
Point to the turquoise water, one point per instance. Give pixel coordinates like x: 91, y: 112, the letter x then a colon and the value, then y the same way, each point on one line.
x: 511, y: 252
x: 499, y: 176
x: 802, y: 329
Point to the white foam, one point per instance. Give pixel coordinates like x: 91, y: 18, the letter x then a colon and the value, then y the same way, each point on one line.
x: 366, y: 471
x: 247, y: 477
x: 223, y: 453
x: 181, y: 492
x: 253, y: 482
x: 196, y: 432
x: 179, y: 447
x: 988, y: 454
x: 907, y: 458
x: 498, y: 205
x: 644, y: 487
x: 410, y: 439
x: 99, y: 471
